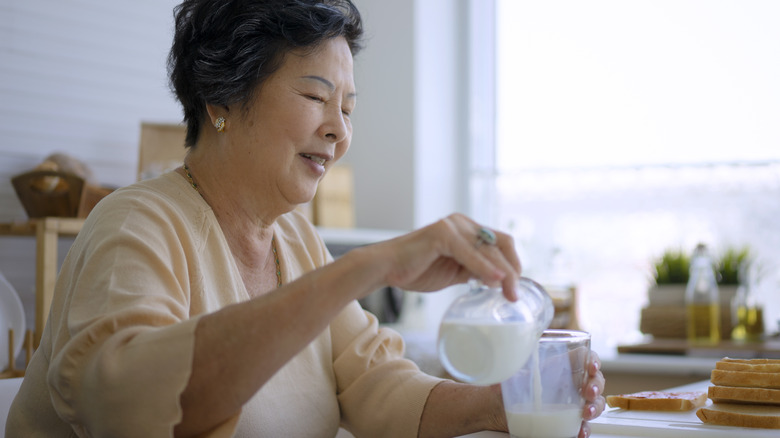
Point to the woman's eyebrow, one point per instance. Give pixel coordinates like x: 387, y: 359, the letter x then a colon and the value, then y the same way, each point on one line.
x: 327, y: 83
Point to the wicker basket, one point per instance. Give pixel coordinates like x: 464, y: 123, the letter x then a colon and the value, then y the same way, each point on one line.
x: 46, y: 193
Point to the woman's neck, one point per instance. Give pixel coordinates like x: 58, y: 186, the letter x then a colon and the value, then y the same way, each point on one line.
x: 249, y: 236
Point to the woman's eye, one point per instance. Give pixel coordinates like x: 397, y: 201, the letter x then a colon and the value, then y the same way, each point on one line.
x: 315, y: 98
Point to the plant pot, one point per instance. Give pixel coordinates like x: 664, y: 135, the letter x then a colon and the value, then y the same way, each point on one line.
x: 665, y: 315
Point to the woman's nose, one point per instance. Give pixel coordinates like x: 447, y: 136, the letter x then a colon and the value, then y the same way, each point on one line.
x: 335, y: 126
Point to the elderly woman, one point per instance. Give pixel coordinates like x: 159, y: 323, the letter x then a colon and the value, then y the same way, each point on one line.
x: 201, y: 303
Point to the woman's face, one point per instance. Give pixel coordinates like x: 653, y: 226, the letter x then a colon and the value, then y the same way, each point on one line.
x: 298, y: 123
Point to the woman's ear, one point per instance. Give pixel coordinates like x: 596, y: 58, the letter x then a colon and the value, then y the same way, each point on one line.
x: 217, y: 116
x: 215, y: 112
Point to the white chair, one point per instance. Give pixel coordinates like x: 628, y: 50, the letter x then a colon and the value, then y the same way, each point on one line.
x: 8, y: 390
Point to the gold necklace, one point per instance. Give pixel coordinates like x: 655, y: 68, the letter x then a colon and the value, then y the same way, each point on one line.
x: 189, y: 177
x: 276, y: 259
x: 273, y: 238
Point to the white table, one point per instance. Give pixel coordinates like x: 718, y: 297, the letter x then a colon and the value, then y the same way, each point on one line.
x: 506, y: 435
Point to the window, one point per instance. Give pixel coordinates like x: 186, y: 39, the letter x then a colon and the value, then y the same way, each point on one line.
x: 626, y: 128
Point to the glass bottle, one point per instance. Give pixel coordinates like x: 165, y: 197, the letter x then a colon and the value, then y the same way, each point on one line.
x: 746, y: 312
x: 485, y: 338
x: 702, y: 300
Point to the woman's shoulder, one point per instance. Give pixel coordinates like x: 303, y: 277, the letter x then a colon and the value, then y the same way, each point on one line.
x: 169, y: 191
x: 168, y: 188
x: 164, y: 201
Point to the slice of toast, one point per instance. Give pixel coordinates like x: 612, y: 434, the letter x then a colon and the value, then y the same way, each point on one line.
x: 745, y: 379
x: 734, y: 394
x: 753, y: 365
x: 751, y: 361
x: 728, y: 414
x: 658, y: 401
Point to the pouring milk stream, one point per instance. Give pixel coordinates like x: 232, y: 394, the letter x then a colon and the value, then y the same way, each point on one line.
x: 485, y: 338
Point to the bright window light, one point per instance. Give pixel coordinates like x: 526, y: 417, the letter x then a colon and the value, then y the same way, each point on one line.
x: 624, y: 128
x: 615, y: 83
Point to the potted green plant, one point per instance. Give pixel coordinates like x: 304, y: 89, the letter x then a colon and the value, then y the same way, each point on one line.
x: 664, y: 316
x: 731, y: 264
x: 673, y: 267
x: 670, y: 275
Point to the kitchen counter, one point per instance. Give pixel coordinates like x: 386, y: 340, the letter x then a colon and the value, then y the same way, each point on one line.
x: 627, y: 373
x: 487, y: 434
x: 665, y: 363
x: 658, y: 364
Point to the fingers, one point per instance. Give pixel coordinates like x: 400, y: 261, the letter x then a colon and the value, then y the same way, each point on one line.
x: 465, y: 250
x: 449, y: 252
x: 506, y: 245
x: 596, y: 381
x: 593, y: 392
x: 508, y: 260
x: 594, y: 363
x: 584, y: 430
x: 595, y: 402
x: 495, y: 264
x: 593, y: 409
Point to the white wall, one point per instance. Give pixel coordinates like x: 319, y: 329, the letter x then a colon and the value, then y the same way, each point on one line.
x: 76, y: 76
x: 410, y: 124
x: 441, y: 109
x: 382, y: 151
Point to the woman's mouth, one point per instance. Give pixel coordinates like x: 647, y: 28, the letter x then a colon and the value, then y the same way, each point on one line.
x: 316, y: 159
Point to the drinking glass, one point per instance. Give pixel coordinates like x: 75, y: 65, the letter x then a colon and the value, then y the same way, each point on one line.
x: 544, y: 399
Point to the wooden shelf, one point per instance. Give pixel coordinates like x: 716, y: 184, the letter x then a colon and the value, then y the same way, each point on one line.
x: 63, y: 225
x: 11, y: 371
x: 46, y: 232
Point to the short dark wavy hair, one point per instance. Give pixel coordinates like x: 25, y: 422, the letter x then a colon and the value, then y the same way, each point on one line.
x: 224, y: 49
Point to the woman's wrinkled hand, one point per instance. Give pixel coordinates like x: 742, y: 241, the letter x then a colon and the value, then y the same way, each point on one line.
x: 449, y: 252
x: 593, y: 390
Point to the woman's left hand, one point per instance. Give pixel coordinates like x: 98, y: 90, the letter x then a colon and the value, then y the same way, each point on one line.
x: 594, y: 387
x: 592, y: 390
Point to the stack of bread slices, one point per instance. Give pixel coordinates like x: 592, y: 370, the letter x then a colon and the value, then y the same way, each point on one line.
x: 745, y: 393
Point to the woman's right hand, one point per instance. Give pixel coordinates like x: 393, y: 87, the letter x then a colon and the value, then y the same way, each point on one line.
x: 449, y: 252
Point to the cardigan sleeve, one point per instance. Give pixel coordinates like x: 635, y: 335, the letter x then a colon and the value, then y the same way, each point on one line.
x: 122, y: 351
x: 381, y: 394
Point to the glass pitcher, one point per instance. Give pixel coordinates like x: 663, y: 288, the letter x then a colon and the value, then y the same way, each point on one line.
x: 485, y: 338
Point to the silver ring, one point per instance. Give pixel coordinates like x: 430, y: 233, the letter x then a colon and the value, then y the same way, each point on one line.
x: 485, y: 236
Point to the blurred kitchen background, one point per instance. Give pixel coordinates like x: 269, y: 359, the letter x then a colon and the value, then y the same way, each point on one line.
x: 598, y: 133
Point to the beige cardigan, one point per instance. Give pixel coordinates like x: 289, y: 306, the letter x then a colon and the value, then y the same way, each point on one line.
x: 118, y: 345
